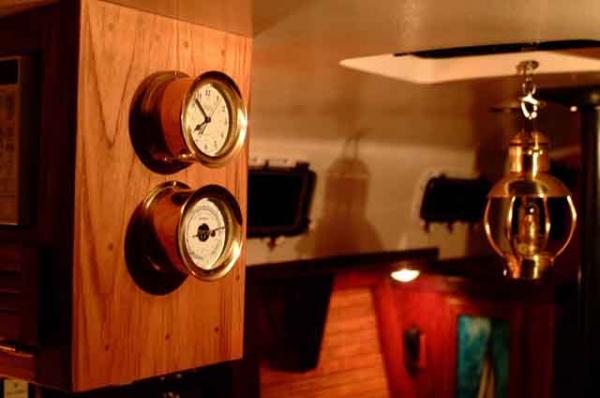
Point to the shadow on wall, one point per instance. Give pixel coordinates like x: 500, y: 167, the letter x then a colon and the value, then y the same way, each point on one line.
x: 343, y: 226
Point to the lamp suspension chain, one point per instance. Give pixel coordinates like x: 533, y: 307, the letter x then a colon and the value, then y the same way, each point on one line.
x: 529, y: 104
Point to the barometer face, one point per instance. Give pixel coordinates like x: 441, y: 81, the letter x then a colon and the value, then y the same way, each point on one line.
x: 204, y: 234
x: 213, y: 119
x: 210, y: 232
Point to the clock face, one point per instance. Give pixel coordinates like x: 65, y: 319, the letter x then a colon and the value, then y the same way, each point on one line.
x: 207, y: 119
x: 205, y: 233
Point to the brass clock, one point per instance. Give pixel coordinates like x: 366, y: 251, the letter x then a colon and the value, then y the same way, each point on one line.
x: 176, y: 120
x: 196, y: 233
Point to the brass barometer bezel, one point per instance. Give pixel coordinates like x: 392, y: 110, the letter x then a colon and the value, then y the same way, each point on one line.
x: 161, y: 232
x: 232, y: 215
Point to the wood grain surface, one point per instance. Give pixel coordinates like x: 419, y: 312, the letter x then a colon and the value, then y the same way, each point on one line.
x: 8, y: 7
x: 228, y: 15
x: 363, y: 351
x: 121, y: 333
x: 434, y: 309
x: 351, y: 362
x: 50, y: 35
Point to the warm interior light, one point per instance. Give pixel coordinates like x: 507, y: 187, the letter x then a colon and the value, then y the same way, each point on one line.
x: 405, y: 275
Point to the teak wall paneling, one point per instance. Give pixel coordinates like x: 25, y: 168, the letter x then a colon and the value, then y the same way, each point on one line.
x: 49, y: 35
x: 351, y: 362
x: 121, y: 333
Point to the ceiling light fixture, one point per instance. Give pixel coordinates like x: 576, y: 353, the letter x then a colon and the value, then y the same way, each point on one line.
x: 480, y: 61
x: 530, y: 217
x: 405, y: 275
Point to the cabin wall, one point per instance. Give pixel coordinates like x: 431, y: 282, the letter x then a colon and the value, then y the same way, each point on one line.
x: 373, y: 141
x: 366, y: 199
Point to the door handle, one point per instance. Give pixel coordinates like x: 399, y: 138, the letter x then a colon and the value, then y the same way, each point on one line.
x: 415, y: 349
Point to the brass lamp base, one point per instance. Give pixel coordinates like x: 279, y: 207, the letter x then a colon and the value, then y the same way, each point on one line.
x: 527, y: 268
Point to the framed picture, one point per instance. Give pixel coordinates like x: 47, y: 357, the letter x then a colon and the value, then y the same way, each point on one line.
x: 487, y: 349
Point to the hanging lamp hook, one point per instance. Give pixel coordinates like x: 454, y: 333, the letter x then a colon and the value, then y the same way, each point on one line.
x: 529, y: 104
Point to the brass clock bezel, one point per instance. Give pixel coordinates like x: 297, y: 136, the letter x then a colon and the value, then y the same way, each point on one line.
x: 156, y: 121
x: 232, y: 215
x: 238, y: 118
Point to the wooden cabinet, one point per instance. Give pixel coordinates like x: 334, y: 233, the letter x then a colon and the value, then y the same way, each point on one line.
x: 93, y: 325
x: 434, y: 305
x: 419, y: 329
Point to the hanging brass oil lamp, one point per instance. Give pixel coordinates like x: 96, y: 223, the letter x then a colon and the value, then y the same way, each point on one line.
x: 530, y: 217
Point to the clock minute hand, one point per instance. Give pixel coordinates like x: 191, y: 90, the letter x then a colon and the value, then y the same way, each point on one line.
x: 206, y: 117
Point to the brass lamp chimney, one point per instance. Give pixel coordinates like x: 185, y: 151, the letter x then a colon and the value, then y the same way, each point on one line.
x: 530, y: 217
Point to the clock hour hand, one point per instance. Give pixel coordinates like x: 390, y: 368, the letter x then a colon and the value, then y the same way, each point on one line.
x: 201, y: 127
x: 206, y: 117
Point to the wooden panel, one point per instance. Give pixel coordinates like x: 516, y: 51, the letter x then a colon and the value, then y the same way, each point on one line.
x: 19, y: 289
x: 433, y: 304
x: 17, y: 366
x: 48, y: 34
x: 351, y: 363
x: 229, y: 15
x: 540, y: 337
x: 121, y: 333
x: 8, y: 7
x: 429, y: 313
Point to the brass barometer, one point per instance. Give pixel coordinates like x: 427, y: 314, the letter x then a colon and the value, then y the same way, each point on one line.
x: 176, y: 120
x: 196, y: 233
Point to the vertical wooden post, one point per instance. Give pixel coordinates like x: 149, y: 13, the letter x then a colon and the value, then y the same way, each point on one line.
x: 590, y: 246
x: 587, y: 99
